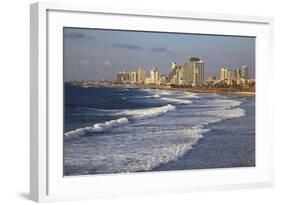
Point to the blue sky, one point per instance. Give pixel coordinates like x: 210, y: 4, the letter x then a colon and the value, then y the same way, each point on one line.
x: 93, y: 54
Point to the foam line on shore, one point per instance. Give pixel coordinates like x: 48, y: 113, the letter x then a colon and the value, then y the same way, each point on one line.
x: 176, y: 101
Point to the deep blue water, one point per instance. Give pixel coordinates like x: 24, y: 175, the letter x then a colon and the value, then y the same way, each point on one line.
x: 123, y: 129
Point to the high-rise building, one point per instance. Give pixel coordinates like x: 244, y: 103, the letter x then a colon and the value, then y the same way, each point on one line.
x: 177, y: 79
x: 225, y: 74
x: 245, y: 72
x: 163, y: 80
x: 174, y: 65
x: 237, y: 74
x: 171, y: 75
x: 122, y: 77
x: 155, y: 75
x: 133, y: 77
x: 198, y: 76
x: 193, y: 72
x: 140, y: 74
x: 188, y: 72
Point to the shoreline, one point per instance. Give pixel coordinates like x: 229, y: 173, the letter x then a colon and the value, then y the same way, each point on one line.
x: 205, y: 90
x: 217, y: 91
x: 229, y: 91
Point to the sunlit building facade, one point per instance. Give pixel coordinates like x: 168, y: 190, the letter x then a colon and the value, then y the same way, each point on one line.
x: 155, y: 75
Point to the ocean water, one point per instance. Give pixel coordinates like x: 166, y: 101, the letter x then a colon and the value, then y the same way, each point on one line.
x: 118, y: 129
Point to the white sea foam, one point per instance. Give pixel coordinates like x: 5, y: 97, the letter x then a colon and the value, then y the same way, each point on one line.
x: 145, y: 155
x: 230, y: 113
x: 218, y: 104
x: 177, y: 101
x: 159, y: 92
x: 181, y: 94
x: 99, y: 127
x: 136, y: 114
x: 148, y: 96
x: 151, y: 96
x: 147, y: 112
x: 214, y: 116
x: 139, y: 147
x: 156, y: 96
x: 75, y: 133
x: 224, y: 103
x: 189, y: 95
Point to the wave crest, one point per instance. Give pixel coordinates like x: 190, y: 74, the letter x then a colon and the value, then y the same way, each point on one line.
x: 148, y: 112
x: 177, y: 101
x: 137, y: 114
x: 99, y: 127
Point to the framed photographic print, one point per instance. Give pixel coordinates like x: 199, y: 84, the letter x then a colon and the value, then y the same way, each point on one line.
x: 128, y: 102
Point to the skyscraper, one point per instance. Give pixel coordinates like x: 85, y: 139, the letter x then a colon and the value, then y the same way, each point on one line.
x: 122, y: 77
x: 172, y: 74
x: 133, y: 77
x: 245, y: 72
x: 173, y: 66
x: 154, y: 75
x: 237, y: 74
x: 225, y: 74
x: 179, y: 76
x: 198, y: 76
x: 140, y: 74
x: 188, y: 73
x: 193, y: 72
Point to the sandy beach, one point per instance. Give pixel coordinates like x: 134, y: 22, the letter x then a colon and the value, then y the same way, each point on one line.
x: 231, y: 91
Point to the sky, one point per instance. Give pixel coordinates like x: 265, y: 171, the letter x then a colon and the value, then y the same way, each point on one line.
x: 95, y: 54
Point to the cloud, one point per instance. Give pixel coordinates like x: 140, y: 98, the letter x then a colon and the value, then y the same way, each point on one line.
x: 105, y: 62
x: 159, y: 49
x: 82, y: 62
x: 77, y: 35
x: 127, y: 46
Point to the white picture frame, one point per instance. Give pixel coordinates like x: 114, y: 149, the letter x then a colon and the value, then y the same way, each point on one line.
x: 46, y: 178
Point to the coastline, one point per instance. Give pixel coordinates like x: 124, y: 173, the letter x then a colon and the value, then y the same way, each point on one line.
x: 230, y: 91
x: 218, y: 90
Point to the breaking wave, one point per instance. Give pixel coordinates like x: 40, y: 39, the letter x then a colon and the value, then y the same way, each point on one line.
x: 147, y: 112
x: 136, y: 114
x: 99, y: 127
x: 177, y: 101
x: 183, y: 94
x: 149, y: 96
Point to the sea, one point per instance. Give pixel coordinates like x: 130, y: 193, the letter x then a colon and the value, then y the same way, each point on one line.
x: 123, y: 129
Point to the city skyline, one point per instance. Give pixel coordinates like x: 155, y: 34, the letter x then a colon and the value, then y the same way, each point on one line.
x: 189, y: 74
x: 91, y: 54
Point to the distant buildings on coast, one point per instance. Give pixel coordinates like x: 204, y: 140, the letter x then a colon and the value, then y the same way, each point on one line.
x: 238, y: 77
x: 189, y: 74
